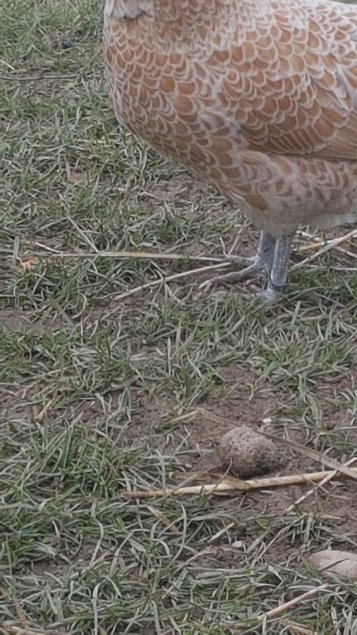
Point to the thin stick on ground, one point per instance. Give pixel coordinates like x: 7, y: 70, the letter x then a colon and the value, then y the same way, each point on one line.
x: 35, y: 78
x: 314, y: 242
x: 297, y: 629
x: 231, y: 485
x: 330, y: 245
x: 314, y: 455
x: 292, y: 603
x: 330, y: 476
x: 50, y: 253
x: 164, y: 520
x: 165, y: 280
x: 48, y: 405
x: 236, y: 240
x: 12, y: 629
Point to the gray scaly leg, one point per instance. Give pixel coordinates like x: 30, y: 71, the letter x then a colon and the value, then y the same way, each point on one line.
x: 278, y: 275
x: 263, y: 260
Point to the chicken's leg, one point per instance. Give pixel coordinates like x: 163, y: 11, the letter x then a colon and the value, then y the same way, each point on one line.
x: 262, y: 260
x: 278, y: 274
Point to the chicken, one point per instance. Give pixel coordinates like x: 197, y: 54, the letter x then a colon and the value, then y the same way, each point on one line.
x: 258, y: 97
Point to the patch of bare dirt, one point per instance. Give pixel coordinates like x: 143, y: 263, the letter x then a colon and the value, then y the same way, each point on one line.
x: 14, y: 319
x: 334, y: 505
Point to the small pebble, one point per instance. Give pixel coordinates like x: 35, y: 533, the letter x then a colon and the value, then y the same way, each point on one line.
x: 247, y: 453
x: 67, y: 44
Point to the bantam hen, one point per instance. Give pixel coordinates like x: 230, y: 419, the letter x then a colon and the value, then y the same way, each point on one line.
x: 259, y: 97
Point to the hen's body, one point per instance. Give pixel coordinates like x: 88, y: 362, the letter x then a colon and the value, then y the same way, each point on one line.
x: 258, y: 96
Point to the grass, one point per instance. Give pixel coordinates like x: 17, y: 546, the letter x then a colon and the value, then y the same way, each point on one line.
x: 100, y: 394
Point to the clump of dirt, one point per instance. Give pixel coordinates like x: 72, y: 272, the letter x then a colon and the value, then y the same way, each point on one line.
x: 247, y: 453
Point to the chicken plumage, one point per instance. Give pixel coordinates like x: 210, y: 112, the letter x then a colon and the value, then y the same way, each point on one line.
x: 259, y: 97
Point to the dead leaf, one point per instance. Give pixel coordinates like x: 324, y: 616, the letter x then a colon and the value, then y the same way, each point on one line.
x: 28, y: 263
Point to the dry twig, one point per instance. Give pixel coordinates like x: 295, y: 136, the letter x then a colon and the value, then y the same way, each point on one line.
x: 233, y: 484
x: 49, y: 253
x: 166, y: 279
x: 292, y: 603
x: 12, y: 629
x: 331, y: 244
x: 297, y: 629
x: 330, y: 476
x: 313, y: 454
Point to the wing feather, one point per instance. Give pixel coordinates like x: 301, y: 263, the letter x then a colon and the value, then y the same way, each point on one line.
x: 297, y: 93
